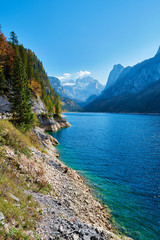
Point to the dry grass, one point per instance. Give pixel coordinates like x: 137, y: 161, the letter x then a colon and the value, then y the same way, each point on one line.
x: 12, y: 137
x: 23, y: 215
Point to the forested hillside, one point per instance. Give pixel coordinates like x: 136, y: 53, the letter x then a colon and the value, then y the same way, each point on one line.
x: 23, y: 78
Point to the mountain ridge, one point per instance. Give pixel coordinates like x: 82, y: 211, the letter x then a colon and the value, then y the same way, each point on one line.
x: 82, y: 88
x: 131, y: 83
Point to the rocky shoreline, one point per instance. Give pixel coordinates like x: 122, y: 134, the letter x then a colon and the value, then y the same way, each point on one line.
x: 52, y: 124
x: 70, y: 211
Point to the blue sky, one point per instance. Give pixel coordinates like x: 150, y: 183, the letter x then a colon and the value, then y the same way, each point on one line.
x: 82, y: 37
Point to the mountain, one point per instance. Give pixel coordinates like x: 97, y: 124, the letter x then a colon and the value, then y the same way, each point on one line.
x: 82, y: 88
x: 56, y: 84
x: 135, y: 90
x: 67, y: 103
x: 89, y: 100
x: 114, y: 74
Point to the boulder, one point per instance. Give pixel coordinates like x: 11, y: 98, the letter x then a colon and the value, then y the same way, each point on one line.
x: 5, y: 105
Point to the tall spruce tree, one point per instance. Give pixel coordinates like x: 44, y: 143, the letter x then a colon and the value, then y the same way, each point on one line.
x: 21, y: 95
x: 58, y: 106
x: 13, y: 38
x: 29, y: 69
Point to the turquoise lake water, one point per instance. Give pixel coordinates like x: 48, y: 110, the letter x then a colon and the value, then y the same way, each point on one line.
x: 119, y: 156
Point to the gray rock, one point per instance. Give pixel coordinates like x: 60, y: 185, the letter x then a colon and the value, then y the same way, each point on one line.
x: 14, y: 197
x: 86, y: 238
x: 17, y: 205
x: 5, y: 105
x: 61, y: 229
x: 38, y: 106
x: 81, y: 233
x: 51, y: 238
x: 1, y: 216
x: 52, y: 210
x: 94, y: 238
x: 75, y: 237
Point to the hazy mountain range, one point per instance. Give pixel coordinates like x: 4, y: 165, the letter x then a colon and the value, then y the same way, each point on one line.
x: 67, y: 103
x: 131, y: 89
x: 79, y: 90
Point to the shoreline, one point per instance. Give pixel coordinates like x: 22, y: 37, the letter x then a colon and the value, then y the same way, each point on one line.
x: 124, y: 113
x: 83, y: 203
x: 67, y: 208
x: 116, y: 228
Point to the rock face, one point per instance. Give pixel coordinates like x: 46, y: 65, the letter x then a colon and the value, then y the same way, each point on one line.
x: 114, y: 74
x: 51, y: 124
x: 132, y: 84
x: 38, y: 106
x: 5, y: 105
x: 46, y: 139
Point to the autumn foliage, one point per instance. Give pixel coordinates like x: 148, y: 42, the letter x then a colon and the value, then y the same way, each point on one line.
x: 7, y: 56
x: 22, y: 74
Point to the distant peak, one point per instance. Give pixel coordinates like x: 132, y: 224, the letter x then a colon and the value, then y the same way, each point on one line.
x: 118, y: 66
x: 114, y: 74
x: 158, y: 50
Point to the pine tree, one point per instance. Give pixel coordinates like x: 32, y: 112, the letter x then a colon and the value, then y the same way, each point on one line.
x: 2, y: 80
x: 23, y: 55
x: 21, y: 107
x: 13, y: 38
x: 29, y: 68
x: 49, y: 105
x: 58, y: 106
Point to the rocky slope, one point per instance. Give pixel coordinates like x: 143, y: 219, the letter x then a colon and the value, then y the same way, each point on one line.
x: 68, y: 210
x: 133, y: 83
x: 38, y: 107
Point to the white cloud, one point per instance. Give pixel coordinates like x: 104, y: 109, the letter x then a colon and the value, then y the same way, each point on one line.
x: 64, y: 76
x: 73, y: 76
x: 83, y: 74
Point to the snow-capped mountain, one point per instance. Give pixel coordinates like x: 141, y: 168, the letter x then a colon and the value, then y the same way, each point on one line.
x: 82, y: 88
x: 56, y: 84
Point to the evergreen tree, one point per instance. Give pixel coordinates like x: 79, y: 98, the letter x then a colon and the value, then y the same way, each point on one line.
x: 58, y: 106
x: 13, y: 38
x: 2, y: 80
x: 49, y: 105
x: 23, y: 55
x: 21, y: 107
x: 29, y: 68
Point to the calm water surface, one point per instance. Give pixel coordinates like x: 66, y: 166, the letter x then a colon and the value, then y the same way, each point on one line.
x: 119, y: 155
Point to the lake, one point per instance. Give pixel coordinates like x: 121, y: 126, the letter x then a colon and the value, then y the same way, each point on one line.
x: 119, y: 156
